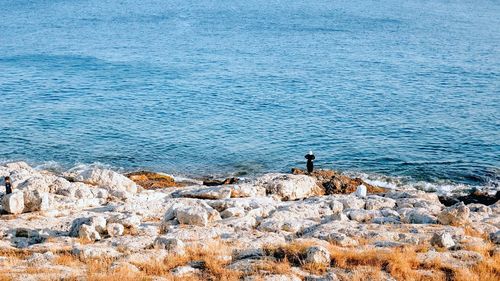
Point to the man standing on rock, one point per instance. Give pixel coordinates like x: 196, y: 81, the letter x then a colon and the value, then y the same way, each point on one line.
x: 8, y: 186
x: 310, y: 158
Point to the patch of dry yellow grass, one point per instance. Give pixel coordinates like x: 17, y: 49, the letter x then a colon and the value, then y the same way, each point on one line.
x: 210, y: 257
x: 401, y: 263
x: 67, y: 259
x: 5, y: 277
x: 274, y: 267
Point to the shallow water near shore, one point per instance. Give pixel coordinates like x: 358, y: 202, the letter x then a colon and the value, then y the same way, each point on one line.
x: 374, y: 88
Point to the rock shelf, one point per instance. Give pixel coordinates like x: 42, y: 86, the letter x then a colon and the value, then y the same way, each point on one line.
x: 96, y: 224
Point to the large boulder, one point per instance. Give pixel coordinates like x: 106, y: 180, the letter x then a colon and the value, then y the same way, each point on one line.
x: 247, y: 190
x: 107, y: 179
x: 98, y: 223
x: 196, y: 213
x: 288, y: 187
x: 37, y: 182
x: 375, y: 202
x: 363, y: 215
x: 352, y: 202
x: 416, y: 216
x: 35, y: 200
x: 13, y: 203
x: 457, y: 215
x: 18, y: 166
x: 128, y: 220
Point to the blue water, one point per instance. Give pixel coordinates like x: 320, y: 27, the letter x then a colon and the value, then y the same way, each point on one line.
x: 397, y: 88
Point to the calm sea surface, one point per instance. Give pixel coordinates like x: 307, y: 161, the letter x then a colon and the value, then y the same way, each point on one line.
x: 400, y: 89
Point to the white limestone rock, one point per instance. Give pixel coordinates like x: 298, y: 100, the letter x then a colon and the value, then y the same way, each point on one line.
x: 341, y: 239
x: 13, y: 203
x: 35, y: 200
x: 443, y: 240
x: 107, y: 179
x: 374, y: 202
x: 360, y: 191
x: 288, y: 187
x: 363, y: 215
x: 194, y: 215
x: 37, y: 182
x: 336, y: 206
x: 457, y: 215
x: 99, y: 223
x: 352, y: 202
x: 127, y: 220
x: 170, y: 244
x: 19, y: 165
x: 88, y: 233
x: 206, y: 193
x: 318, y: 255
x: 197, y: 213
x: 416, y: 216
x: 247, y: 190
x: 233, y: 212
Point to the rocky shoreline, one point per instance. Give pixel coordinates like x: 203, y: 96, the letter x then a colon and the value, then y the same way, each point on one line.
x: 96, y: 224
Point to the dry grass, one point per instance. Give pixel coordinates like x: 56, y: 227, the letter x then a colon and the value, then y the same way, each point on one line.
x: 67, y: 259
x: 401, y: 263
x: 469, y: 230
x: 367, y: 273
x: 99, y: 270
x: 15, y: 253
x: 210, y: 258
x: 355, y: 263
x: 274, y: 267
x: 5, y: 277
x: 83, y: 241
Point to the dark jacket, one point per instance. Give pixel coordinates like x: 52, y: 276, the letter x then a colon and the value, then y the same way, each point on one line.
x: 310, y: 166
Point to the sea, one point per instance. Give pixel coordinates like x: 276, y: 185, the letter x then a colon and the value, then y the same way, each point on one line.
x: 397, y: 92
